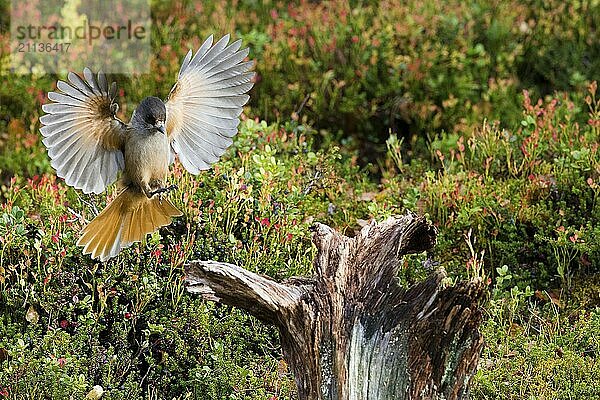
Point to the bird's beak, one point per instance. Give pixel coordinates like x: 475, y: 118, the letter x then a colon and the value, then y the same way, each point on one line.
x: 160, y: 126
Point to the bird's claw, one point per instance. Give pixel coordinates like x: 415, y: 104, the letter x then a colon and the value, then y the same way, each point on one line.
x: 161, y: 191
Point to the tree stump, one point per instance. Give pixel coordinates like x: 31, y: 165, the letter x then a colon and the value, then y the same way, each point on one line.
x: 351, y: 332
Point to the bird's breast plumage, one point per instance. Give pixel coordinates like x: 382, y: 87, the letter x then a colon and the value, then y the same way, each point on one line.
x: 146, y: 157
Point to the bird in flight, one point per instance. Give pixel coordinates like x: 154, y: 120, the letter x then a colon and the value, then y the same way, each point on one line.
x: 88, y: 145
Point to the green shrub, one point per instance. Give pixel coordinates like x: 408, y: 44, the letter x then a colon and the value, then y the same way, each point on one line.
x: 534, y: 352
x: 560, y: 50
x: 530, y: 196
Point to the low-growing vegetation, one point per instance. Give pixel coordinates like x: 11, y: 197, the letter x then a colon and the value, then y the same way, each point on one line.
x: 483, y: 116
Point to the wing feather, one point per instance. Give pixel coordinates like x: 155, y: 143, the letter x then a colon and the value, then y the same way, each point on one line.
x: 80, y: 84
x: 222, y: 64
x: 65, y: 99
x: 207, y: 153
x: 221, y: 112
x: 56, y: 108
x: 229, y: 82
x: 205, y: 103
x: 214, y: 51
x: 83, y: 136
x: 191, y: 161
x: 198, y: 159
x: 185, y: 63
x: 216, y: 59
x: 220, y: 123
x: 89, y: 77
x: 103, y: 83
x: 213, y: 76
x: 50, y: 119
x: 200, y: 53
x: 232, y: 91
x: 80, y: 167
x: 235, y: 102
x: 62, y: 142
x: 112, y: 92
x: 64, y: 149
x: 71, y: 91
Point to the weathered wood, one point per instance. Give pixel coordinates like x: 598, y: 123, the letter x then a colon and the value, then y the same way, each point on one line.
x: 351, y: 332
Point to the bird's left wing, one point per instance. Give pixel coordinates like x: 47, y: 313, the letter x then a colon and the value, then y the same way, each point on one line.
x: 204, y: 106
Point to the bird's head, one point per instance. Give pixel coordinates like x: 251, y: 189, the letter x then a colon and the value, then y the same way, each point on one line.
x: 150, y: 116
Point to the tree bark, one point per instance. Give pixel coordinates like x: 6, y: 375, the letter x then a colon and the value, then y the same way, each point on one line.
x: 351, y: 332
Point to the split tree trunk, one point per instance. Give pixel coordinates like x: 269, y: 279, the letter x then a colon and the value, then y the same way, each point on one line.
x: 351, y: 332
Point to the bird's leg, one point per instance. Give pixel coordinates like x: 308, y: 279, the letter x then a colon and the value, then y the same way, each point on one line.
x: 162, y: 190
x: 146, y: 189
x: 159, y: 188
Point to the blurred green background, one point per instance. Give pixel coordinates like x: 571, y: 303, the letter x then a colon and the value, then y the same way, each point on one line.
x: 482, y: 115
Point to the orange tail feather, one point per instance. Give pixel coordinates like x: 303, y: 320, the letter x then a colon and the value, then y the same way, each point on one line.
x: 127, y: 219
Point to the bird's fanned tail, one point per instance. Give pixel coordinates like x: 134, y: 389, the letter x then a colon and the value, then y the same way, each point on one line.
x: 127, y: 219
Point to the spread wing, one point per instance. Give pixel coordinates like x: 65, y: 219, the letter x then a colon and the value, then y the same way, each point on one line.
x: 204, y: 106
x: 83, y: 136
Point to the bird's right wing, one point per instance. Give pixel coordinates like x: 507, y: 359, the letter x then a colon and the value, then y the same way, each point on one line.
x: 83, y: 136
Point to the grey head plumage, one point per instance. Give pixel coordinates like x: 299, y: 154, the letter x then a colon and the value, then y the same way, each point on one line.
x: 150, y: 115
